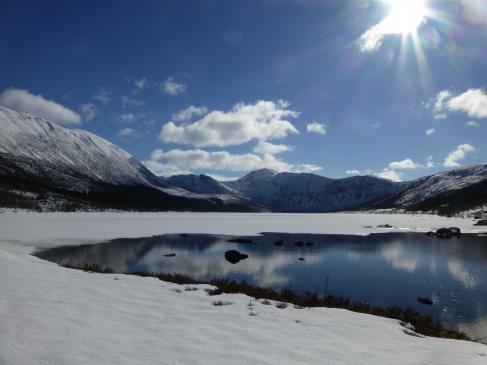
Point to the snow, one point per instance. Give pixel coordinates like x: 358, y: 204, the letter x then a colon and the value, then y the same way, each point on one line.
x: 93, y: 226
x: 53, y: 315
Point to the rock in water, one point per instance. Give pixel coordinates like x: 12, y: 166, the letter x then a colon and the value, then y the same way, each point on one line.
x: 233, y: 256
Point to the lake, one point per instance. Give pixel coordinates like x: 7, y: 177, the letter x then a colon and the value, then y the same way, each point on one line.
x: 381, y: 269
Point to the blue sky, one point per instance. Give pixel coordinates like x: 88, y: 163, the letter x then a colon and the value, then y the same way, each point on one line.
x: 224, y: 87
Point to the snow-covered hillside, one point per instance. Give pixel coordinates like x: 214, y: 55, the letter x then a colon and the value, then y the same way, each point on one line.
x: 291, y: 192
x: 73, y: 158
x: 430, y: 186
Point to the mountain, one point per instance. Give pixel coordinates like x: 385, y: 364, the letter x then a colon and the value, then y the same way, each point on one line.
x: 300, y: 192
x: 447, y: 192
x: 201, y: 184
x: 46, y: 166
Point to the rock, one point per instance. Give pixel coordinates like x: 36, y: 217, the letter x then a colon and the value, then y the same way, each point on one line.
x: 301, y: 259
x: 299, y: 243
x: 455, y: 231
x: 240, y: 240
x: 183, y: 235
x: 279, y: 243
x: 443, y: 233
x: 233, y: 256
x: 169, y: 254
x: 430, y: 233
x: 481, y: 222
x: 425, y: 300
x: 384, y: 226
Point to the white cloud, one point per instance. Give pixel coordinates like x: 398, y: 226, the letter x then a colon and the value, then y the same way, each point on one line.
x: 472, y: 123
x: 263, y: 148
x: 244, y: 122
x: 475, y: 11
x: 126, y: 132
x: 127, y: 117
x: 128, y: 101
x: 316, y: 127
x: 473, y: 102
x: 390, y: 175
x: 102, y: 96
x: 162, y: 162
x: 140, y: 83
x: 190, y: 112
x: 89, y: 111
x: 429, y: 162
x: 22, y: 100
x: 352, y: 172
x: 393, y: 24
x: 173, y: 88
x: 406, y: 164
x: 452, y: 160
x: 430, y: 131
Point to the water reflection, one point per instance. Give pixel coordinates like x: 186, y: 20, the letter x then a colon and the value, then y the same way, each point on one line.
x: 382, y: 269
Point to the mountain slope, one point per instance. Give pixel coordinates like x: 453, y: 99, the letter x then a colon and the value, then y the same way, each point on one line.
x: 46, y: 166
x: 293, y: 192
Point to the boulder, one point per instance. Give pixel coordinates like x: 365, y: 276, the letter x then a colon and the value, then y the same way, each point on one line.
x: 233, y: 256
x: 444, y: 233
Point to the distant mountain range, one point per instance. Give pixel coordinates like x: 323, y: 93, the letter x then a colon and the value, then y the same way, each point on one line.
x: 44, y: 166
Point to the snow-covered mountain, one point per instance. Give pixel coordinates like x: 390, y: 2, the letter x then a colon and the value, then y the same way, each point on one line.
x: 75, y: 159
x: 301, y: 192
x: 42, y: 163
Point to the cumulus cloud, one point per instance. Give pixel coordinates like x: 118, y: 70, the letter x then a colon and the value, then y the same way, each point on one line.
x: 190, y: 112
x: 352, y: 172
x: 263, y: 148
x: 24, y: 101
x: 162, y: 162
x: 452, y: 160
x: 406, y: 164
x: 390, y: 175
x: 473, y: 102
x: 89, y: 111
x: 243, y: 123
x: 316, y: 127
x: 171, y: 87
x: 102, y: 96
x: 126, y: 132
x: 127, y: 117
x: 430, y: 131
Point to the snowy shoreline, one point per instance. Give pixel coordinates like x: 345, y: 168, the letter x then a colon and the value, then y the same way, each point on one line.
x: 50, y: 314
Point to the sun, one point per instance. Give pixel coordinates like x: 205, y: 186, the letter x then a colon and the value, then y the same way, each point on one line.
x: 405, y: 16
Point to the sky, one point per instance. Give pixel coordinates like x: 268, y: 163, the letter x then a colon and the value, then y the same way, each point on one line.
x: 392, y: 88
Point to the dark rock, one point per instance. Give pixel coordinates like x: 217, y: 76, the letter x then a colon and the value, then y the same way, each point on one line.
x: 233, y: 256
x: 425, y: 300
x: 384, y: 226
x: 299, y: 243
x: 444, y: 233
x: 279, y: 243
x: 481, y: 222
x: 301, y: 259
x: 430, y: 233
x: 455, y: 231
x: 169, y: 254
x: 240, y: 240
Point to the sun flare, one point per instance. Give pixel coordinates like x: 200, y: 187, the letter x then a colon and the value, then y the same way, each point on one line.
x: 405, y: 16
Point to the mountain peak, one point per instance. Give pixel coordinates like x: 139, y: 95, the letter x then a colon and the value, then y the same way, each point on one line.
x: 260, y: 174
